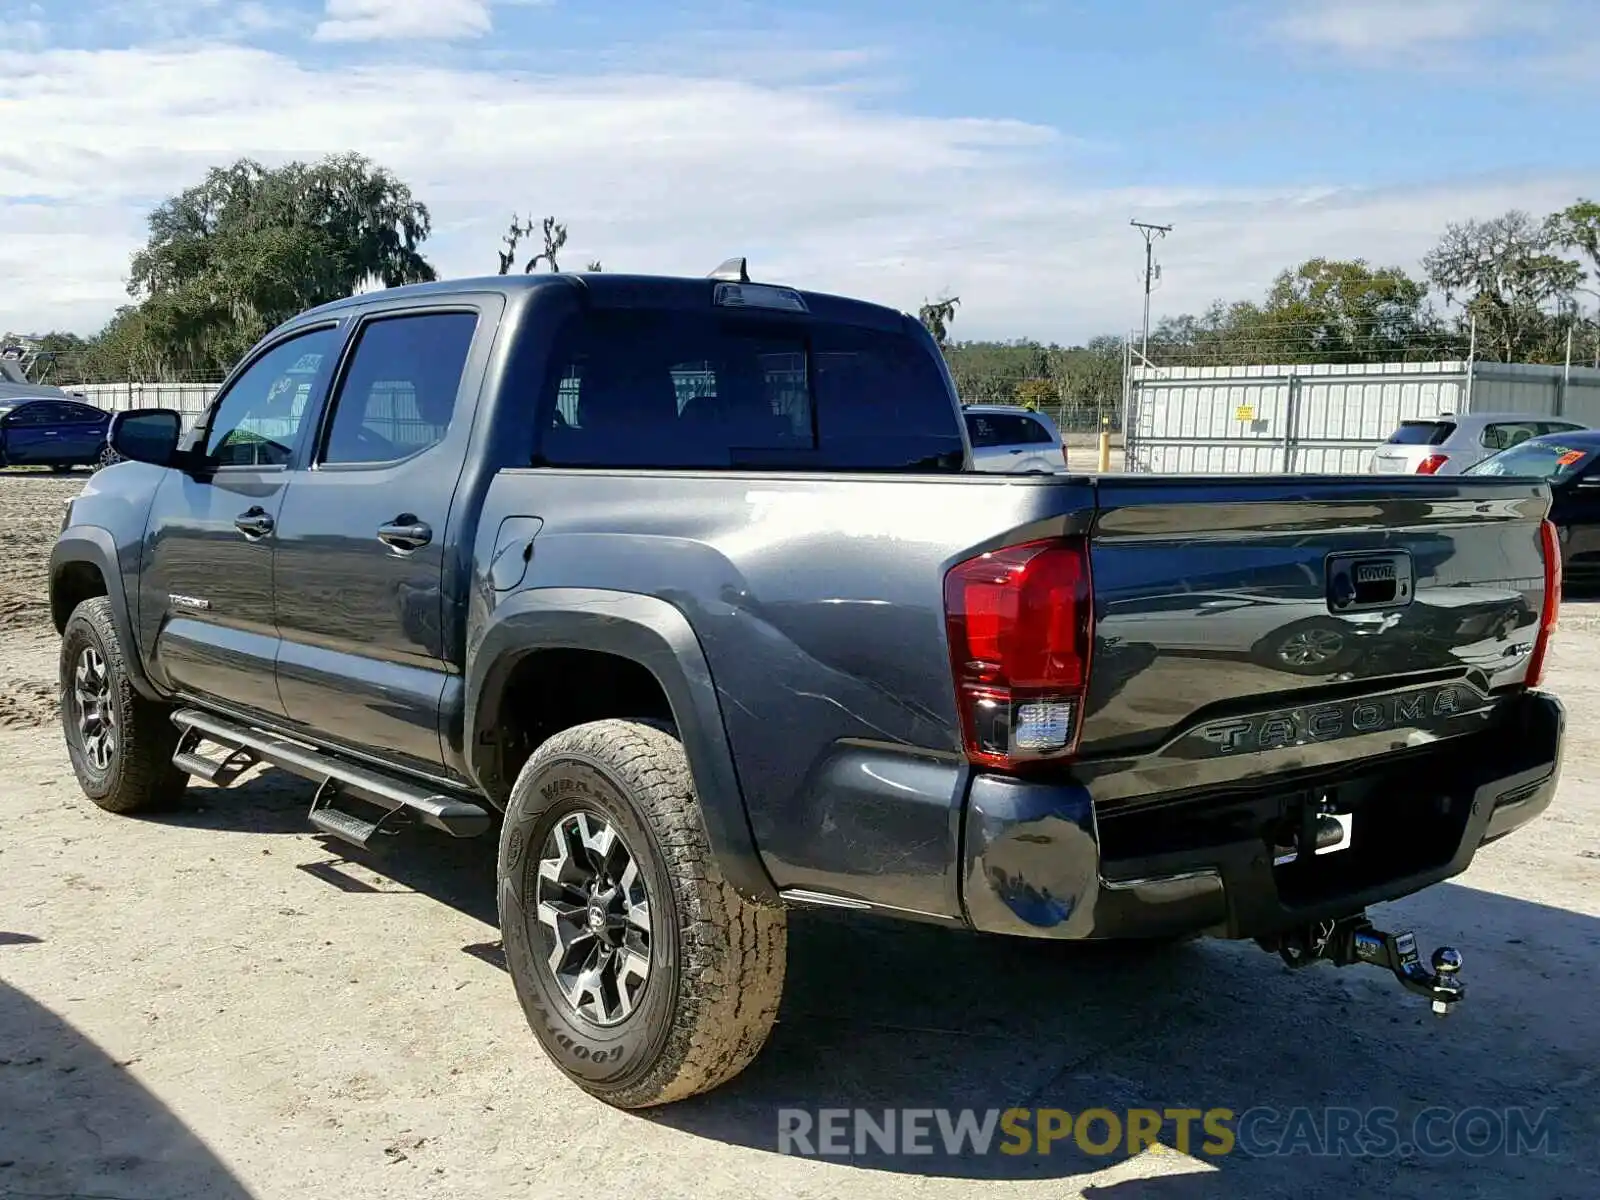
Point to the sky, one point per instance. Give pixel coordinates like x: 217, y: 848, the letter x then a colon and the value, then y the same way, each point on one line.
x: 900, y: 152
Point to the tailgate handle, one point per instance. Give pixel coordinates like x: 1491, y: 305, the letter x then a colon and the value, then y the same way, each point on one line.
x: 1378, y: 579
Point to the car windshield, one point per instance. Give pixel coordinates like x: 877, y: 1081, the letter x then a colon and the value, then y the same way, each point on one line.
x: 1540, y: 459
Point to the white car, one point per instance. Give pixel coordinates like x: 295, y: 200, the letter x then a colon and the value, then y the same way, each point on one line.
x: 1009, y: 439
x: 1448, y: 444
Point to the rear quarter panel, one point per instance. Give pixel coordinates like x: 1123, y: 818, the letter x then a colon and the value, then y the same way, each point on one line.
x: 818, y: 602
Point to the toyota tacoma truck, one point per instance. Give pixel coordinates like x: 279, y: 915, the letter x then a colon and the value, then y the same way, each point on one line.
x: 686, y: 591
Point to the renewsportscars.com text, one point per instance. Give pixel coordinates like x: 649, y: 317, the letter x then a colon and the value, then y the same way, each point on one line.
x: 1211, y: 1132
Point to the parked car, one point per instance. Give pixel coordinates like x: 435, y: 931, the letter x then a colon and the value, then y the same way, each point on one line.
x: 1448, y: 444
x: 1570, y: 464
x: 687, y: 588
x: 1013, y: 439
x: 59, y: 434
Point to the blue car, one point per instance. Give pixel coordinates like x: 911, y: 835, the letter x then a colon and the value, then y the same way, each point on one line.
x: 59, y: 434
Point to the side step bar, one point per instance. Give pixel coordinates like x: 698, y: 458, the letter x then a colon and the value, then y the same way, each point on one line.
x: 246, y: 747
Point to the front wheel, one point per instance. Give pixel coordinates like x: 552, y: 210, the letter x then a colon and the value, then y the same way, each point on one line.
x: 645, y: 976
x: 120, y: 744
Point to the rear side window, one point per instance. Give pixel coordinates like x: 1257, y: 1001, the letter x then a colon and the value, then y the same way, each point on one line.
x: 671, y: 389
x: 1422, y: 433
x: 399, y: 394
x: 1005, y: 429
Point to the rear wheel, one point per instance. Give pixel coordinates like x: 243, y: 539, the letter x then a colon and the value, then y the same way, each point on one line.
x: 643, y: 973
x: 106, y: 457
x: 120, y: 744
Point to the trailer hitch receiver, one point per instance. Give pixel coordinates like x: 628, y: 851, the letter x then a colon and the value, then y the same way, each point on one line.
x: 1354, y: 940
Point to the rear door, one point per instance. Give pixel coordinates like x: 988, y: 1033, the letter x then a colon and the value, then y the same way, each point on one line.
x: 362, y: 534
x: 83, y: 432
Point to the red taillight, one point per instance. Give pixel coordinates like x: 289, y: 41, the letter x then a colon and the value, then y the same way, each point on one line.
x: 1432, y: 463
x: 1550, y: 545
x: 1020, y: 622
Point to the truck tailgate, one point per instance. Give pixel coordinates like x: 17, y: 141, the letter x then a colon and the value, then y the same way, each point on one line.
x: 1257, y: 614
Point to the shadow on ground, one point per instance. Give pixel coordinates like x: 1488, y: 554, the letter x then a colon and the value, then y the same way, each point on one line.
x: 894, y: 1016
x: 75, y: 1123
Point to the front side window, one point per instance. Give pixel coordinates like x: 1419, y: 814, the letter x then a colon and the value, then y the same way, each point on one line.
x: 41, y: 412
x: 256, y: 423
x: 399, y: 394
x: 1504, y: 435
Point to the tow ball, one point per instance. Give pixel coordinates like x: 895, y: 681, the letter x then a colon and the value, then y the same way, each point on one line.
x: 1353, y: 940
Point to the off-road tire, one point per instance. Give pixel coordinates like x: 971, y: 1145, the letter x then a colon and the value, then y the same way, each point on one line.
x: 717, y: 961
x: 140, y: 775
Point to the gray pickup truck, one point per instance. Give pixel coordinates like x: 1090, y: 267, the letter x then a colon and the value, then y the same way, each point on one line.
x: 686, y: 589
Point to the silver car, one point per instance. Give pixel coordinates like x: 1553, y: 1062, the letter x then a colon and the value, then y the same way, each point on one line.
x: 1449, y: 443
x: 1009, y: 439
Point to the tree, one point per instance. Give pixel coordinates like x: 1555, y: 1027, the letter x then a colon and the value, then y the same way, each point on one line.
x: 938, y: 316
x: 249, y: 247
x: 1577, y: 227
x: 1508, y: 276
x: 555, y: 237
x: 1344, y: 311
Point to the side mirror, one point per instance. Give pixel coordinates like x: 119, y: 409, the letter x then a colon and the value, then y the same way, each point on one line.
x: 147, y: 435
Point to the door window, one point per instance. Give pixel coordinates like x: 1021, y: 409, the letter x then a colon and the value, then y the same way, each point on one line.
x: 40, y: 412
x: 1505, y: 435
x: 399, y: 395
x: 256, y: 422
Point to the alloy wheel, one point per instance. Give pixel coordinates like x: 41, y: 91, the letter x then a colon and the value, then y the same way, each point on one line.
x: 1311, y: 647
x: 594, y: 914
x: 96, y: 714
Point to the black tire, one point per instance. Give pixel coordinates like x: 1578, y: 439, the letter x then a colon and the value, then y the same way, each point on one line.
x: 715, y: 961
x: 134, y: 772
x: 105, y: 458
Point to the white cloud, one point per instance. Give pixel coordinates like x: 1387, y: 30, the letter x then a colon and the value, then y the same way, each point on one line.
x: 669, y: 174
x: 1382, y: 29
x: 390, y: 20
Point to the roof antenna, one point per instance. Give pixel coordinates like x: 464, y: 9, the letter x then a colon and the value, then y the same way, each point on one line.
x: 732, y: 271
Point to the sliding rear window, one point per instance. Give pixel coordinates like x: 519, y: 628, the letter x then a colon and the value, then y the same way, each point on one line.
x: 674, y: 389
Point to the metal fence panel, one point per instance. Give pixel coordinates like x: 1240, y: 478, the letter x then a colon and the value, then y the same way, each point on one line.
x: 190, y: 399
x: 1323, y: 417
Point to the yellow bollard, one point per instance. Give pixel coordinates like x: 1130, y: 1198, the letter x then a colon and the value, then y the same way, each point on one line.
x: 1105, y: 451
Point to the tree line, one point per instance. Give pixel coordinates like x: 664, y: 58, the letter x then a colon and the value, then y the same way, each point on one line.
x: 249, y: 246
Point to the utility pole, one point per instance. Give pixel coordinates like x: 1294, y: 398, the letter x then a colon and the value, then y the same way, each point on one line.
x: 1149, y: 232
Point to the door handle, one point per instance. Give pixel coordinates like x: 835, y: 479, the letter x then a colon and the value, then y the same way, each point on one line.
x: 254, y: 523
x: 405, y: 533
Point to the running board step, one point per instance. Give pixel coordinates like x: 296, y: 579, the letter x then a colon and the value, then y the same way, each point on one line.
x: 220, y: 771
x: 452, y: 814
x: 345, y: 826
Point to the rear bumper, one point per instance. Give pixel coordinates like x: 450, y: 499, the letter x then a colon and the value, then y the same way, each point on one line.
x: 1039, y: 861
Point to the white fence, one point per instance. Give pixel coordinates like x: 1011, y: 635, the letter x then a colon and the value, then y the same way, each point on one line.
x: 188, y: 398
x: 1323, y: 417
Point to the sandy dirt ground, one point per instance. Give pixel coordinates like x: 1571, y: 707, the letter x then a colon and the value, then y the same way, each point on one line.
x: 215, y: 1003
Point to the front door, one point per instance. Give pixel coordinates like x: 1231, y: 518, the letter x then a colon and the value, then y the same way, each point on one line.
x: 362, y: 537
x: 205, y: 602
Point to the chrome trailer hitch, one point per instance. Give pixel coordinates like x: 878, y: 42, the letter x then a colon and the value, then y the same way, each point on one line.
x: 1351, y: 940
